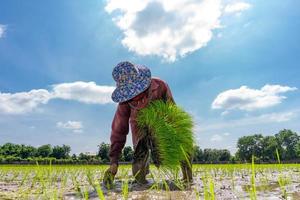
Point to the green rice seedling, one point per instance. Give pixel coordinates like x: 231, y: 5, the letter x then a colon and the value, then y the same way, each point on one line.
x: 282, y: 183
x: 197, y: 194
x: 278, y: 158
x: 205, y: 188
x: 14, y: 176
x: 170, y: 127
x: 212, y: 189
x: 265, y: 182
x: 187, y: 161
x: 99, y: 192
x: 50, y: 173
x: 24, y: 178
x: 179, y: 184
x: 109, y: 177
x: 231, y: 173
x: 281, y: 180
x: 173, y: 174
x: 253, y: 187
x: 76, y: 185
x: 64, y: 180
x: 21, y: 194
x: 85, y: 193
x: 152, y: 176
x: 43, y: 183
x: 34, y: 179
x: 154, y: 186
x: 221, y: 174
x: 90, y: 178
x: 40, y: 178
x: 125, y: 189
x: 62, y: 177
x: 125, y: 183
x: 6, y: 178
x: 167, y: 188
x: 54, y: 194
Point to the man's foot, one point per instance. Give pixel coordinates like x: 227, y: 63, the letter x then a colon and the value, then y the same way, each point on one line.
x: 187, y: 183
x: 108, y: 180
x: 141, y: 182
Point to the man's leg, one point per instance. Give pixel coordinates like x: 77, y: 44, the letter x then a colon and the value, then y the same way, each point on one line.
x: 186, y: 168
x: 154, y: 152
x: 140, y: 165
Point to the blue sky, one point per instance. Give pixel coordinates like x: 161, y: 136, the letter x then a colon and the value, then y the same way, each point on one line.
x: 234, y: 66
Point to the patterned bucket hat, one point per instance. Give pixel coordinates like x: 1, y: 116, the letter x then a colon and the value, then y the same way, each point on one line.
x: 131, y: 80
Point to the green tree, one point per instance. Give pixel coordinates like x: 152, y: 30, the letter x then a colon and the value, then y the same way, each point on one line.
x: 224, y: 155
x: 27, y: 151
x: 128, y: 153
x: 287, y: 141
x: 269, y: 145
x: 297, y: 149
x: 10, y: 149
x: 74, y: 157
x: 248, y: 145
x: 197, y: 154
x: 83, y: 156
x: 211, y: 155
x: 44, y: 150
x: 103, y: 152
x: 61, y: 152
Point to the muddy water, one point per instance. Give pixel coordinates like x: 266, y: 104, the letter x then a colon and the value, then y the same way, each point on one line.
x: 223, y: 189
x: 270, y: 184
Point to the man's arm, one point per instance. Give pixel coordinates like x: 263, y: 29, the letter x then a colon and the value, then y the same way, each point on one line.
x: 120, y: 128
x: 168, y: 94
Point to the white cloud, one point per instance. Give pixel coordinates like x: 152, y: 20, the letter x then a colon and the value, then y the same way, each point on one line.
x: 216, y: 138
x: 75, y: 126
x: 237, y: 7
x: 166, y: 28
x: 85, y: 92
x: 2, y: 30
x: 269, y: 118
x: 226, y: 112
x: 169, y: 29
x: 226, y: 134
x: 23, y: 102
x: 274, y: 117
x: 249, y: 99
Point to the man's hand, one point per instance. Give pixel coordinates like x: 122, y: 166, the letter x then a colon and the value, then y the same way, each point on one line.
x: 109, y: 175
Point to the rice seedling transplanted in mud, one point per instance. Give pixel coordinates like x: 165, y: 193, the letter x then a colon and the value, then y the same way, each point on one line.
x: 222, y: 181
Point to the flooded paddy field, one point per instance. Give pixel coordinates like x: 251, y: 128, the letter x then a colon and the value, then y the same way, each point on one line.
x: 221, y: 181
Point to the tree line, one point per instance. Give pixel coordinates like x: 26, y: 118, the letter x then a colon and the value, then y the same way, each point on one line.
x: 16, y: 153
x: 264, y: 148
x: 285, y: 142
x: 211, y: 155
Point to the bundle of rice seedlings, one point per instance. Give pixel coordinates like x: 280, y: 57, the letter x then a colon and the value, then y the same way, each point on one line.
x: 171, y: 129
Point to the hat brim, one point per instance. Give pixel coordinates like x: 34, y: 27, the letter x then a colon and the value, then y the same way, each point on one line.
x: 129, y: 91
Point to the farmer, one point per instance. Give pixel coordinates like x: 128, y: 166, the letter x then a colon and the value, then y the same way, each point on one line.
x: 135, y: 89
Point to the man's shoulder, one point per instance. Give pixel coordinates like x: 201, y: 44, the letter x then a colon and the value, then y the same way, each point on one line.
x: 158, y: 81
